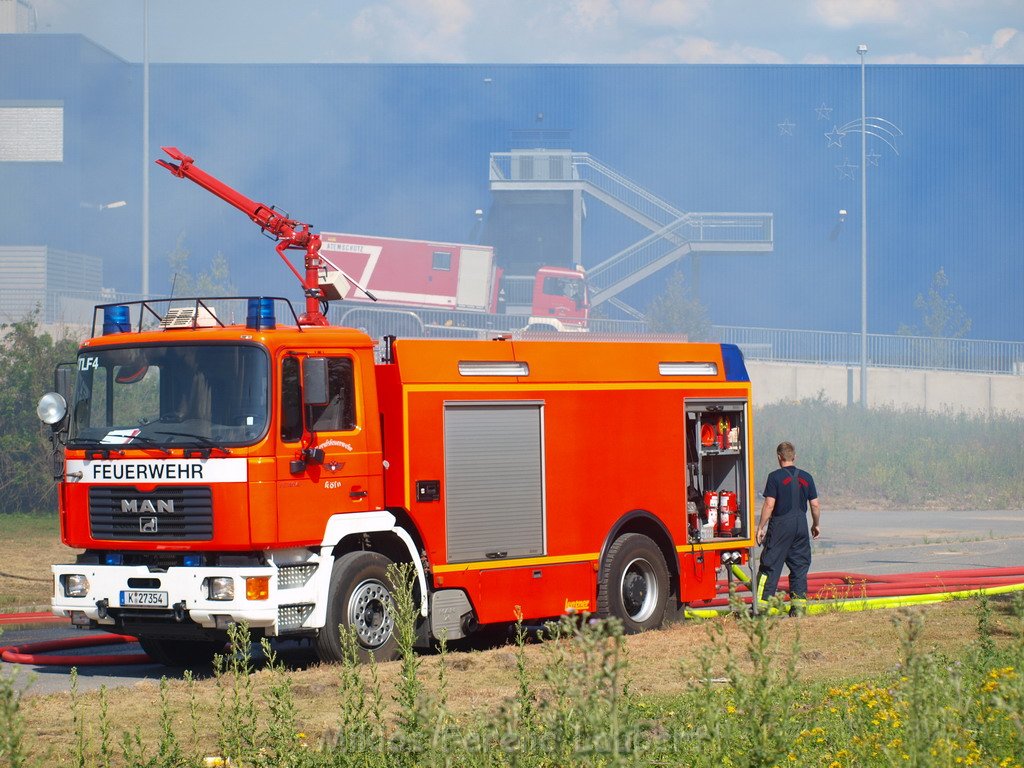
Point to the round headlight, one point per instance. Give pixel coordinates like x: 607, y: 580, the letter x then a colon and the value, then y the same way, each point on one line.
x: 52, y: 408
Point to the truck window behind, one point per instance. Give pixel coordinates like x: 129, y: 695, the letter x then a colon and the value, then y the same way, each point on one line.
x: 339, y: 415
x: 561, y: 286
x: 442, y: 260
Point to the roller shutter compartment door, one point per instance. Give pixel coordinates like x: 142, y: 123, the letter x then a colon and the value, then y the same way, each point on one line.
x: 494, y: 481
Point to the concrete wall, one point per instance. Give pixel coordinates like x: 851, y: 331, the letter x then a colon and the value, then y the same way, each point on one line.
x: 912, y: 389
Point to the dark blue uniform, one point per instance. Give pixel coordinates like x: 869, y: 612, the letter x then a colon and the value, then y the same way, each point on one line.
x: 788, y: 540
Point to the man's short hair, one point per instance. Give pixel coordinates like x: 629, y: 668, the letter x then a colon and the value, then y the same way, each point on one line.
x: 786, y: 451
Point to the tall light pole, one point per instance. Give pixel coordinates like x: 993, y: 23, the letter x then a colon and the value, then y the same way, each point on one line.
x: 862, y: 51
x: 888, y: 133
x: 145, y: 149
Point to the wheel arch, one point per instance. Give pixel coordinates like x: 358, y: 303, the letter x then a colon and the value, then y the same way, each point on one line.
x: 379, y: 531
x: 648, y: 524
x: 389, y: 543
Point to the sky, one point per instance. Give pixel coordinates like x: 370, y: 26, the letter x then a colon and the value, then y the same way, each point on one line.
x: 548, y: 31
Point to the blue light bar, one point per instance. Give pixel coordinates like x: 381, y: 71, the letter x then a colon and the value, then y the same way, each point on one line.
x: 117, y: 319
x: 260, y: 314
x: 735, y: 368
x: 193, y: 561
x: 113, y: 558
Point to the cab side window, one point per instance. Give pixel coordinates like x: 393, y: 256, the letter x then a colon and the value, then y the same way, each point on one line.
x: 339, y: 414
x: 291, y: 401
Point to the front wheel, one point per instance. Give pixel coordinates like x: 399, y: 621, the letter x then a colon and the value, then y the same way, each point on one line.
x: 361, y: 600
x: 634, y: 583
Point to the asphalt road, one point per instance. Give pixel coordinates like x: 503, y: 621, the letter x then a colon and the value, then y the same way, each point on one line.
x: 873, y: 542
x: 908, y: 541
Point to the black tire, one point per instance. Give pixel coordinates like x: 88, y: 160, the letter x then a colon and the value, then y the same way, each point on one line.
x: 634, y: 583
x: 360, y: 597
x: 191, y: 654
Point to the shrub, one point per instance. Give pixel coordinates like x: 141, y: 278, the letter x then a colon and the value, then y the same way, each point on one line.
x: 27, y: 359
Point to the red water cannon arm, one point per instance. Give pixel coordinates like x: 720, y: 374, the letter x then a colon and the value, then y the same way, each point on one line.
x: 290, y: 234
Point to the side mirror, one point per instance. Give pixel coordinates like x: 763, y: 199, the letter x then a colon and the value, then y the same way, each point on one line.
x: 64, y: 380
x: 314, y: 381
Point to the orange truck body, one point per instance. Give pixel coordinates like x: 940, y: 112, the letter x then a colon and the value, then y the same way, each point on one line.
x: 503, y: 470
x: 612, y: 439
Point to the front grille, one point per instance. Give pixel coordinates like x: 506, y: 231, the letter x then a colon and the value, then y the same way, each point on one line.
x: 167, y: 513
x: 294, y: 576
x: 291, y: 617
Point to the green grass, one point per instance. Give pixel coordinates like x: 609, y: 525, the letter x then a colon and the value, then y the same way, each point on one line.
x: 898, y: 457
x: 931, y: 711
x: 29, y: 544
x: 29, y: 526
x: 574, y: 705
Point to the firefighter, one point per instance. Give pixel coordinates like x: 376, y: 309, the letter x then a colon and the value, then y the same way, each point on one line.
x: 782, y: 529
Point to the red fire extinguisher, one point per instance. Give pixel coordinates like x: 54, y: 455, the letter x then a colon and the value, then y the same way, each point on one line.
x: 711, y: 505
x: 727, y: 508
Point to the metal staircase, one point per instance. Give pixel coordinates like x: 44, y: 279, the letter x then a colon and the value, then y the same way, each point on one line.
x: 674, y: 233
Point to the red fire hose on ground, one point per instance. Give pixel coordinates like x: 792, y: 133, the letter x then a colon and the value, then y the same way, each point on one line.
x: 828, y: 591
x: 39, y: 653
x: 833, y: 585
x: 36, y: 617
x: 838, y: 591
x: 35, y: 653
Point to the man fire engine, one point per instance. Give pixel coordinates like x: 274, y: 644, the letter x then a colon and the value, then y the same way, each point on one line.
x: 268, y: 472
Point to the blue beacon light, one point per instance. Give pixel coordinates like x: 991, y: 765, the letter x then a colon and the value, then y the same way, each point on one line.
x: 260, y: 314
x: 117, y: 319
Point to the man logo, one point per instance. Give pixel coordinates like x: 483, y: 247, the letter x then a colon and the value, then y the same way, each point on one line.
x: 133, y: 507
x: 147, y: 525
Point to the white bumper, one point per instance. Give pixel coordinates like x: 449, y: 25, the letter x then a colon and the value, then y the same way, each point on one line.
x: 299, y: 584
x: 185, y: 588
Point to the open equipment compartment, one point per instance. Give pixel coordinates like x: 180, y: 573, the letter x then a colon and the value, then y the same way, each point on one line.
x: 718, y: 465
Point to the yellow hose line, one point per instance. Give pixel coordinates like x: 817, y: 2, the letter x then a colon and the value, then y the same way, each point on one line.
x: 872, y: 603
x: 704, y: 613
x: 740, y: 574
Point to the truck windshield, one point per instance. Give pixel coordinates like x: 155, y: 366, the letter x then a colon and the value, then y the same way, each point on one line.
x: 174, y: 395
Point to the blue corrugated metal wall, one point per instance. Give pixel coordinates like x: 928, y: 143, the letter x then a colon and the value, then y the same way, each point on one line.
x: 402, y: 150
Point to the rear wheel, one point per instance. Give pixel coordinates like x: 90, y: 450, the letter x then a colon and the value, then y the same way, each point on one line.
x: 634, y: 583
x: 192, y: 654
x: 360, y: 599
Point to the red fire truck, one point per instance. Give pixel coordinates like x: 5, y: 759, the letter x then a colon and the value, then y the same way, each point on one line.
x: 447, y: 285
x: 268, y: 472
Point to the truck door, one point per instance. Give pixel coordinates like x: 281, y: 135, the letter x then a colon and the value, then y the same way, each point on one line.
x: 311, y: 488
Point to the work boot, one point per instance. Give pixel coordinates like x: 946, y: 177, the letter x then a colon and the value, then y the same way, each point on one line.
x: 773, y: 607
x: 770, y: 610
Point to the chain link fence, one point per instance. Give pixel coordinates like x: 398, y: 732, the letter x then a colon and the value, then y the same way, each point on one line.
x: 884, y: 351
